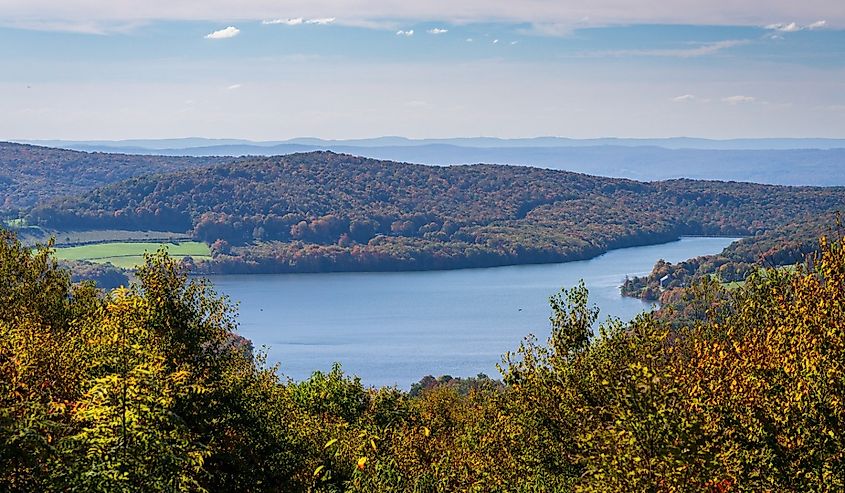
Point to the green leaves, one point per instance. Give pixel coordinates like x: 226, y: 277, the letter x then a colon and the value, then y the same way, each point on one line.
x: 147, y: 389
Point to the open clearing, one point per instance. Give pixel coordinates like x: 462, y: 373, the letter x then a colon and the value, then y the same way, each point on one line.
x: 129, y: 255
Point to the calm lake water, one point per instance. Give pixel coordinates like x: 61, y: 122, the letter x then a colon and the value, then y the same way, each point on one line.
x: 394, y: 328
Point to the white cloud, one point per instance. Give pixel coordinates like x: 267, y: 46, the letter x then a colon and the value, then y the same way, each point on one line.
x: 407, y: 34
x: 739, y: 99
x: 229, y: 32
x: 104, y: 15
x: 792, y: 27
x: 495, y: 41
x: 288, y: 22
x: 684, y: 98
x: 234, y: 87
x: 514, y: 42
x: 321, y: 21
x: 296, y: 21
x: 469, y: 40
x: 438, y: 30
x: 786, y: 28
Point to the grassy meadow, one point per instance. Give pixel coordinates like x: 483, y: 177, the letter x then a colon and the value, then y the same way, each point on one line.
x: 128, y: 255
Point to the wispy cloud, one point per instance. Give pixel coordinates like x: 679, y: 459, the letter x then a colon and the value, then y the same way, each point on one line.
x: 229, y: 32
x: 77, y: 26
x: 287, y: 22
x: 739, y: 99
x: 792, y: 27
x: 784, y: 28
x: 685, y: 98
x: 407, y: 34
x: 296, y: 21
x: 495, y: 41
x: 697, y: 51
x: 546, y: 16
x: 234, y: 87
x: 321, y: 21
x: 438, y: 30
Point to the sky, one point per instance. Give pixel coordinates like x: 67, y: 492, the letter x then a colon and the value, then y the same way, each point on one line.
x: 338, y: 69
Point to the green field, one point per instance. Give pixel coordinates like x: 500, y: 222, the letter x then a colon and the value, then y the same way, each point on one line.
x: 736, y: 284
x: 129, y: 255
x: 15, y: 223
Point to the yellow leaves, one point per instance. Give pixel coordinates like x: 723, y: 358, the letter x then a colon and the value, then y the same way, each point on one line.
x: 362, y: 463
x: 329, y: 443
x: 426, y: 431
x: 319, y: 470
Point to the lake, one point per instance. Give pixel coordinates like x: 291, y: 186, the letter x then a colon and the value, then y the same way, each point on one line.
x: 393, y: 328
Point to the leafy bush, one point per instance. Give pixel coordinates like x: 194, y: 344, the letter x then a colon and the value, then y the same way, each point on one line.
x: 148, y: 389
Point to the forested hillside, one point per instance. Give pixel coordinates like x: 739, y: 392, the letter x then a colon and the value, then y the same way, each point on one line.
x: 783, y: 246
x: 324, y: 211
x: 149, y: 389
x: 31, y: 174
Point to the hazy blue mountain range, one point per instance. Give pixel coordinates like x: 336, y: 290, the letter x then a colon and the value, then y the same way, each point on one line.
x: 668, y: 143
x: 772, y: 161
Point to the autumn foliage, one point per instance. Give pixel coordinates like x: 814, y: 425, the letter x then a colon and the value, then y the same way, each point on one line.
x: 321, y: 211
x: 147, y: 389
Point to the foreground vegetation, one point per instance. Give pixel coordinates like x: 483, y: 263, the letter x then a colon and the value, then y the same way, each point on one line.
x: 148, y: 389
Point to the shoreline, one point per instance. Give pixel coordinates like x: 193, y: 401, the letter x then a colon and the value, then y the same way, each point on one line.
x: 498, y: 266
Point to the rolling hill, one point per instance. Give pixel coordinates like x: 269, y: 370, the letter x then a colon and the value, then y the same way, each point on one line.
x: 30, y: 174
x: 818, y: 162
x: 323, y: 211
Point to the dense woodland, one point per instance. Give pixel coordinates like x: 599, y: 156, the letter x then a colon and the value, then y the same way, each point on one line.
x: 104, y: 276
x: 148, y: 389
x: 31, y: 174
x: 329, y: 212
x: 780, y: 247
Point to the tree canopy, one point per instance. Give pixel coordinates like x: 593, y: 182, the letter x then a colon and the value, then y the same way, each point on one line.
x: 149, y: 388
x: 330, y: 212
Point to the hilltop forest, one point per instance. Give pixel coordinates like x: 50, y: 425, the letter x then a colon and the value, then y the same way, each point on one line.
x: 322, y: 211
x: 31, y: 174
x: 149, y: 389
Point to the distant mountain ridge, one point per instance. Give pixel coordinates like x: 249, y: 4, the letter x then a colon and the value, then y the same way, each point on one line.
x: 483, y: 142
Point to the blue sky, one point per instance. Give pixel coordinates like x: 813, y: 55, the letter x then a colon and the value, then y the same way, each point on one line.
x: 111, y: 74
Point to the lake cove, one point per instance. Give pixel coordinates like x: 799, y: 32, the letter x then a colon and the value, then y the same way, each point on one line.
x: 393, y: 328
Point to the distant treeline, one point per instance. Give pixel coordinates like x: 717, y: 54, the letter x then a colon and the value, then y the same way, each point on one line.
x: 782, y: 246
x: 32, y: 174
x: 324, y: 211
